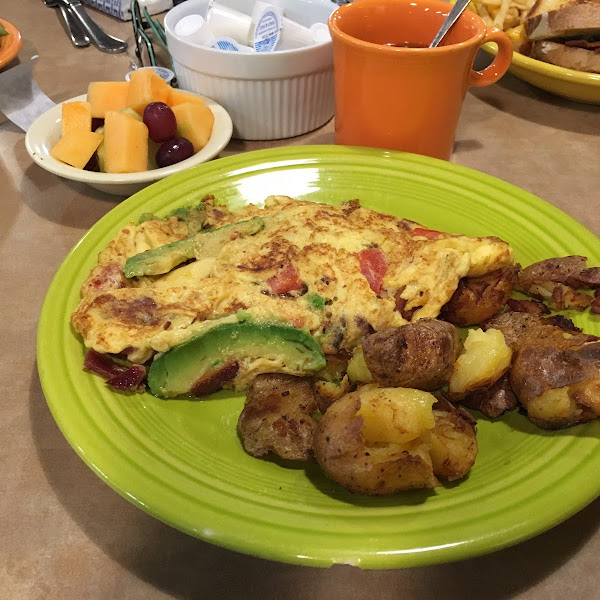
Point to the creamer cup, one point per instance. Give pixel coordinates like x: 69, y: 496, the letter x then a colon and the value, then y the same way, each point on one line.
x: 228, y: 23
x: 194, y: 29
x: 265, y: 29
x: 294, y: 35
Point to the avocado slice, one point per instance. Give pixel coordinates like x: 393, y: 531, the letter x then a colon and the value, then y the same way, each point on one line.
x: 193, y: 216
x: 204, y: 244
x: 176, y: 372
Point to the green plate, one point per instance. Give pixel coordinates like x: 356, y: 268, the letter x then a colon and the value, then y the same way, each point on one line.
x: 183, y: 462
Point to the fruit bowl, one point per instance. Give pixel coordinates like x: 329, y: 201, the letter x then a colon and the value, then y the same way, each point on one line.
x: 46, y: 130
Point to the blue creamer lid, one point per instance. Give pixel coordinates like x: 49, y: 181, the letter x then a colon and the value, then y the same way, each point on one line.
x: 228, y: 44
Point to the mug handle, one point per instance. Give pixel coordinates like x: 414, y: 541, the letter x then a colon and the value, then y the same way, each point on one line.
x: 499, y: 65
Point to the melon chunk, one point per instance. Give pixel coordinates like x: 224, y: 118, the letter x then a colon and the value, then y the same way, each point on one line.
x: 194, y: 122
x: 125, y: 143
x: 145, y: 87
x: 76, y: 116
x: 161, y: 90
x: 178, y: 97
x: 107, y: 95
x: 76, y: 147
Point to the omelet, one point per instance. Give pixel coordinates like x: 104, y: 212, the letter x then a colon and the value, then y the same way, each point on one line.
x: 337, y: 273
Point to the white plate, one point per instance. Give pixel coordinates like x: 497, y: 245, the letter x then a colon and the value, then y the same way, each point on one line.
x: 46, y: 131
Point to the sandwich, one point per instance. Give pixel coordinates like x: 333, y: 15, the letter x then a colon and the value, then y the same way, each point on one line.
x: 565, y: 33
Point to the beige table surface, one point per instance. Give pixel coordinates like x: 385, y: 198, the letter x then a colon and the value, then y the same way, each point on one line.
x: 65, y: 534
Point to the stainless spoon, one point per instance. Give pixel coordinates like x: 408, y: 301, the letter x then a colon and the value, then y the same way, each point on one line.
x: 105, y: 42
x: 78, y: 37
x: 453, y: 15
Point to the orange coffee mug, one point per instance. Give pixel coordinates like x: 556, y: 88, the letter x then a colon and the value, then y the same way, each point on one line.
x: 391, y: 90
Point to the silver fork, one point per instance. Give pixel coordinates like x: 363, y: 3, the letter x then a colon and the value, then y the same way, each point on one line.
x: 77, y: 35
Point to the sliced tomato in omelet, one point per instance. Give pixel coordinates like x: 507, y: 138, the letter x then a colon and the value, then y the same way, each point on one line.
x: 430, y: 234
x: 373, y: 265
x: 287, y: 280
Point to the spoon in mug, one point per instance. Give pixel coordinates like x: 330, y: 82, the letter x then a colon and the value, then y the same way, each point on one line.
x: 453, y: 15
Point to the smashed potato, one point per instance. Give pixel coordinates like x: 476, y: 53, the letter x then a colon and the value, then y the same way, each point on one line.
x: 558, y: 387
x: 453, y: 444
x: 477, y: 299
x: 486, y: 357
x: 371, y: 467
x: 381, y: 441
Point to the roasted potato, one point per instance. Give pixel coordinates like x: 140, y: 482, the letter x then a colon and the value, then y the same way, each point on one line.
x: 556, y: 281
x: 357, y: 367
x: 392, y: 456
x: 556, y: 370
x: 558, y: 387
x: 479, y: 298
x: 419, y: 355
x: 386, y: 440
x: 277, y: 417
x: 486, y: 357
x: 521, y: 328
x: 453, y: 441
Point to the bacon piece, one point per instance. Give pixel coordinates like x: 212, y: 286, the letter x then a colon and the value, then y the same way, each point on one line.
x: 287, y: 280
x: 102, y: 365
x: 118, y: 376
x: 215, y: 379
x: 104, y: 278
x: 129, y: 379
x: 373, y: 265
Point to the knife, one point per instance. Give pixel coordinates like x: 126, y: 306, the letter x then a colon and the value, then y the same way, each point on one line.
x: 78, y: 37
x: 104, y: 42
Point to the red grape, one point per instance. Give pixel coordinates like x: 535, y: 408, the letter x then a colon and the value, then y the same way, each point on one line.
x: 160, y: 121
x: 173, y: 151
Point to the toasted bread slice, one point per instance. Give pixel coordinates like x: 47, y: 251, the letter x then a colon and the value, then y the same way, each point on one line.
x: 566, y: 56
x: 555, y: 19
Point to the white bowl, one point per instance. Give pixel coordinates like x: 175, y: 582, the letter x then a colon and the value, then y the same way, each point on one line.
x: 46, y: 130
x: 269, y: 95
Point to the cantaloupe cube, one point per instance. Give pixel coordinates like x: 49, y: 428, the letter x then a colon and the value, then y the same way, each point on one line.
x: 76, y: 147
x: 142, y: 87
x: 194, y: 122
x: 125, y: 143
x: 178, y: 97
x: 107, y: 95
x: 161, y: 90
x: 76, y: 116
